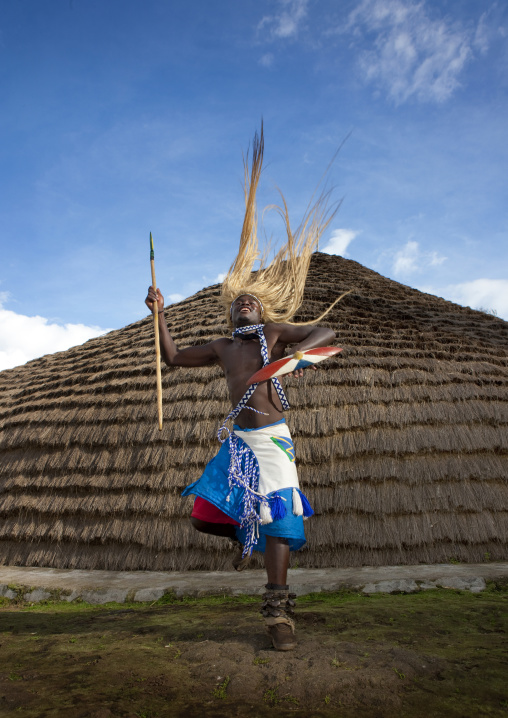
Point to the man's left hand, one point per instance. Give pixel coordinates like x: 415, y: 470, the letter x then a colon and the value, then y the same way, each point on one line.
x: 298, y: 373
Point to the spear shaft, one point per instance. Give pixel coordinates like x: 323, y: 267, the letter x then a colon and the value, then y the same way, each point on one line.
x: 157, y: 344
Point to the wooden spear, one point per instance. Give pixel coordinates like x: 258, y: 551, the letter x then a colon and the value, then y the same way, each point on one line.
x: 157, y: 345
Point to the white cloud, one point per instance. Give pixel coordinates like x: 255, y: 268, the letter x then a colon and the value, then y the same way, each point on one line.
x: 406, y: 259
x: 489, y: 28
x: 220, y: 278
x: 23, y: 338
x: 285, y: 24
x: 174, y: 298
x: 412, y: 55
x: 411, y: 259
x: 435, y: 259
x: 485, y: 294
x: 266, y: 60
x: 481, y: 37
x: 339, y: 241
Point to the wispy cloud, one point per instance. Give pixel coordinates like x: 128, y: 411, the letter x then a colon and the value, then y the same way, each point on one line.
x: 266, y: 60
x: 411, y: 54
x: 286, y: 23
x: 404, y: 48
x: 23, y: 338
x: 339, y: 241
x: 482, y: 35
x: 491, y: 28
x: 485, y: 294
x: 411, y: 259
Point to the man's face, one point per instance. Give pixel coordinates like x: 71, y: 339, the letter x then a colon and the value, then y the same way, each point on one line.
x: 246, y: 310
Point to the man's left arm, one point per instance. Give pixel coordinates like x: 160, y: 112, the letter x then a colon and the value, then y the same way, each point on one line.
x: 305, y: 337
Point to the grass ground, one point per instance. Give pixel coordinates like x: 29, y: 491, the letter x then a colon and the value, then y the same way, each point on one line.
x: 434, y: 653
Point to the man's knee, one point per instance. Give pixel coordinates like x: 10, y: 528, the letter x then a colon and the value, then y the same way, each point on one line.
x: 207, y: 527
x: 198, y: 524
x: 277, y: 540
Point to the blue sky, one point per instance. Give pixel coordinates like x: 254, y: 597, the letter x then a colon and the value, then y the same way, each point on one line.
x: 121, y: 117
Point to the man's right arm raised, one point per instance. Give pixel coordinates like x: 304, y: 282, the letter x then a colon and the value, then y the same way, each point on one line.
x: 202, y: 355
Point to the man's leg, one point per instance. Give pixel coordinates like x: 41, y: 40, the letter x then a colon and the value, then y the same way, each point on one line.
x: 211, y: 520
x: 277, y: 560
x: 278, y: 603
x: 207, y: 527
x: 228, y: 531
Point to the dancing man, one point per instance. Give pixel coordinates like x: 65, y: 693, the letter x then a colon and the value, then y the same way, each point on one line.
x: 249, y: 492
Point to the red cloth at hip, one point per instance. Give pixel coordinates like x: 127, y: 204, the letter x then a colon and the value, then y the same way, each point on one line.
x: 205, y: 511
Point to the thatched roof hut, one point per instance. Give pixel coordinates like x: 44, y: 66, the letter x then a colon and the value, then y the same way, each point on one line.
x: 402, y: 440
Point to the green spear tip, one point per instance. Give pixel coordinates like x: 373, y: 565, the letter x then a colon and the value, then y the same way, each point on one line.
x: 152, y: 256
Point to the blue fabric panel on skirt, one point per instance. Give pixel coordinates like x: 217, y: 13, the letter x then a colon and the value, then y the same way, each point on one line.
x: 290, y: 527
x: 213, y: 486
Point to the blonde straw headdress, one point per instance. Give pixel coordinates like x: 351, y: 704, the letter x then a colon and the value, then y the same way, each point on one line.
x: 279, y: 284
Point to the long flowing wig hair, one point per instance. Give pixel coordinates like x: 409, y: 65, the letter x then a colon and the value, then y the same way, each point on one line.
x: 280, y: 283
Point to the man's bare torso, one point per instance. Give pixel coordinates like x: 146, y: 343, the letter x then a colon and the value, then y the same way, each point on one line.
x: 240, y: 358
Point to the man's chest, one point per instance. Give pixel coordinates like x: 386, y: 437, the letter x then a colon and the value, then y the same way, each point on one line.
x: 243, y: 355
x: 247, y: 354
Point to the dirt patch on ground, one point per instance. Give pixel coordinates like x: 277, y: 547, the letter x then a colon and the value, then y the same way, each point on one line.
x: 431, y: 654
x: 313, y: 676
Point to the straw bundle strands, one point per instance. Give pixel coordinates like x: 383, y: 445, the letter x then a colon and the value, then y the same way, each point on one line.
x: 401, y: 441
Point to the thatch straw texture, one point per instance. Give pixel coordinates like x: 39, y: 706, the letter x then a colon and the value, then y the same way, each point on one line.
x: 402, y: 440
